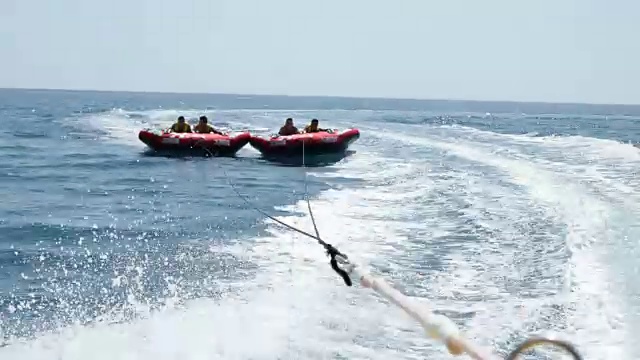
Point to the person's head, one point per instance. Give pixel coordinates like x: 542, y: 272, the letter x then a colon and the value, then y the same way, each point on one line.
x: 288, y: 122
x: 203, y: 119
x: 314, y: 123
x: 181, y: 119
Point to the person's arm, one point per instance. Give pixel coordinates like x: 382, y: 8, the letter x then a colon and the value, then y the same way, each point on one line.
x: 281, y: 132
x: 188, y: 128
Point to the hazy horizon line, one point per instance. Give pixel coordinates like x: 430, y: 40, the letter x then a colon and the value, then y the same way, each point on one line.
x: 530, y: 102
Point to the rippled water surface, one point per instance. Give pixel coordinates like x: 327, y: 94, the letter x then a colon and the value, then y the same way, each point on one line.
x: 512, y: 219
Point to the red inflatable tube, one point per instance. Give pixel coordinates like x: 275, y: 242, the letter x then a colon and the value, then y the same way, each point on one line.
x: 314, y: 143
x: 220, y: 145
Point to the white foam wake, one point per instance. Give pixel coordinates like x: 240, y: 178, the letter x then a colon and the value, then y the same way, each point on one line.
x: 461, y: 223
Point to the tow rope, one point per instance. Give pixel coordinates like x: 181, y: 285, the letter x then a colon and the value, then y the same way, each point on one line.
x: 438, y: 327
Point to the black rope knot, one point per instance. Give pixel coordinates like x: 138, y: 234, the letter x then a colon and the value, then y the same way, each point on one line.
x: 333, y: 252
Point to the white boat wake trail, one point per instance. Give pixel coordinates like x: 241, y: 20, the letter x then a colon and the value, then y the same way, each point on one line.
x: 508, y: 235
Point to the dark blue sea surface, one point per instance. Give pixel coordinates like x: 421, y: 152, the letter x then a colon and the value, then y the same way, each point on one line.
x: 512, y: 219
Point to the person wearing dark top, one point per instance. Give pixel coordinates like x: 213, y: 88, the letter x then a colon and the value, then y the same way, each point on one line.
x: 288, y: 128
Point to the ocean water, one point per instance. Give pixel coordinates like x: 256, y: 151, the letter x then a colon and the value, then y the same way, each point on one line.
x: 512, y: 219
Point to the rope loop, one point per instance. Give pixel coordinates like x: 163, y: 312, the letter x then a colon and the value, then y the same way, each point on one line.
x: 539, y: 341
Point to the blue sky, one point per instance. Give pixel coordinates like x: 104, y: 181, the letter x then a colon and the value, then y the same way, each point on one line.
x: 542, y: 50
